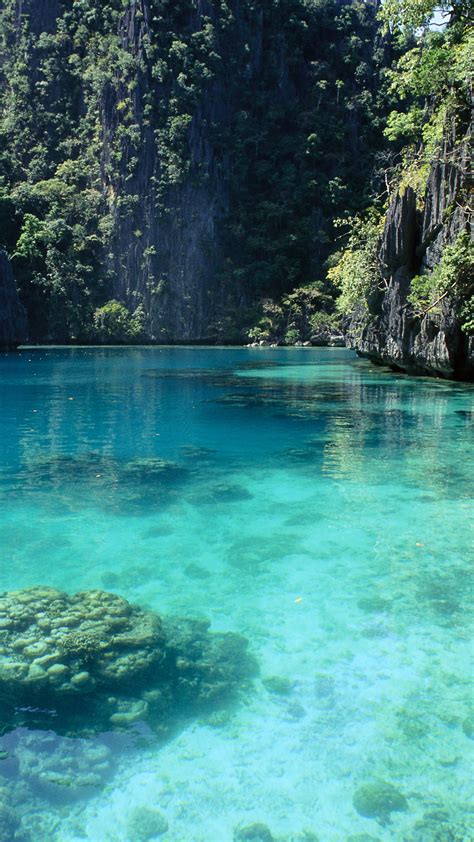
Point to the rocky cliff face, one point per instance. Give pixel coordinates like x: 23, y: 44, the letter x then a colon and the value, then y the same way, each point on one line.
x: 167, y: 254
x: 389, y: 330
x: 13, y: 324
x: 182, y: 157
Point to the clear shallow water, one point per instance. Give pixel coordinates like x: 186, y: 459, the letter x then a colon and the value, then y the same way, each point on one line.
x: 326, y: 515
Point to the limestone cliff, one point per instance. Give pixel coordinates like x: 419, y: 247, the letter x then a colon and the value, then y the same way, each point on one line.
x: 13, y: 324
x: 185, y: 158
x: 418, y: 228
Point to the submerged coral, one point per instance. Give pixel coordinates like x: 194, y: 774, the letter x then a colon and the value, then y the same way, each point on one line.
x: 115, y: 484
x: 9, y: 822
x: 377, y: 800
x: 253, y: 833
x: 279, y: 684
x: 93, y: 661
x: 468, y: 726
x: 436, y: 827
x: 361, y: 837
x: 63, y: 768
x: 226, y: 493
x: 145, y: 823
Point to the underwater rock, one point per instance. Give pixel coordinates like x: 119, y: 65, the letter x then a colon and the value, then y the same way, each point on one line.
x: 224, y: 493
x: 197, y: 454
x: 377, y: 800
x: 150, y: 470
x: 145, y: 823
x: 294, y: 712
x: 253, y: 833
x: 116, y: 485
x: 373, y: 604
x: 278, y: 684
x: 110, y: 579
x: 64, y: 467
x: 9, y: 823
x: 92, y: 660
x: 362, y: 837
x: 217, y: 718
x: 304, y: 836
x: 194, y: 571
x: 205, y: 667
x: 58, y: 645
x: 324, y: 689
x: 412, y: 724
x: 468, y: 726
x: 63, y: 767
x: 437, y: 830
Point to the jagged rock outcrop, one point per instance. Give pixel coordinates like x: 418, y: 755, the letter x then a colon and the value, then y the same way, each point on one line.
x: 387, y: 329
x: 13, y: 324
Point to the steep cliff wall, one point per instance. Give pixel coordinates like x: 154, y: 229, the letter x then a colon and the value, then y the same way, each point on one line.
x: 389, y: 328
x: 13, y: 324
x: 165, y: 250
x: 184, y: 157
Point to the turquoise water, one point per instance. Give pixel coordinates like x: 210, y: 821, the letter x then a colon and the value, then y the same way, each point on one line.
x: 325, y: 514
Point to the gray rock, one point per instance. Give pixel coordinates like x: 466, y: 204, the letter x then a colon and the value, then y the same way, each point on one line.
x: 388, y: 330
x: 13, y: 323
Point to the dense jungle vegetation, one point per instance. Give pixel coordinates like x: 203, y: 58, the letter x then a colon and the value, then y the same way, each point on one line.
x: 433, y: 79
x: 296, y: 116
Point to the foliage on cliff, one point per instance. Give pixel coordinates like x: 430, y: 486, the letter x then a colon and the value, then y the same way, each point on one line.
x: 304, y: 315
x: 452, y: 276
x: 432, y: 79
x: 300, y: 97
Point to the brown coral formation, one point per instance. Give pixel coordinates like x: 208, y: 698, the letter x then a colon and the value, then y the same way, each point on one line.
x: 93, y: 661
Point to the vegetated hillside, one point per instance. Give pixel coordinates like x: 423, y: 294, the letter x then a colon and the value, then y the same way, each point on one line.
x: 167, y: 164
x: 407, y: 273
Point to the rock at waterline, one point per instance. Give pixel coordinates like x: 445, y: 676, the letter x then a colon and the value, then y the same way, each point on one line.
x: 13, y: 322
x: 92, y: 661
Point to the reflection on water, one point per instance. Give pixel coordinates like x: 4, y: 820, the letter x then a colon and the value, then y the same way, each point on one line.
x: 301, y: 498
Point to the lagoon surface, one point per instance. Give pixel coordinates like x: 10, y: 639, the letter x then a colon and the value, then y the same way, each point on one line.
x: 324, y: 512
